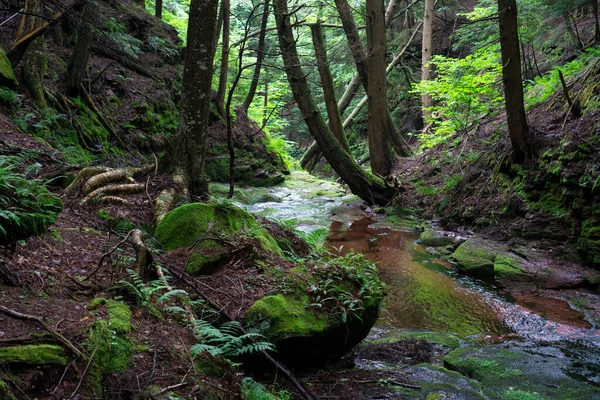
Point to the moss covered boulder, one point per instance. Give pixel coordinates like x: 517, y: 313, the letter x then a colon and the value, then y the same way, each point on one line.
x: 326, y: 311
x: 476, y: 257
x: 431, y: 238
x: 208, y: 232
x: 33, y: 355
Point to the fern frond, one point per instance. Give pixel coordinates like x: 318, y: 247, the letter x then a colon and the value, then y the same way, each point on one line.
x: 171, y: 293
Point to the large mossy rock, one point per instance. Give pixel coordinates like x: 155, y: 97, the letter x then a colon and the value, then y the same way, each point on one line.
x: 429, y: 237
x: 7, y: 75
x: 257, y: 163
x: 210, y: 229
x: 308, y: 331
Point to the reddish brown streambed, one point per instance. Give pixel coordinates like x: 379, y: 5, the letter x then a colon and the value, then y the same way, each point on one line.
x: 425, y: 294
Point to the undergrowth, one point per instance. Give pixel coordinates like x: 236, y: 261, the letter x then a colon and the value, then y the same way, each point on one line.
x: 26, y: 205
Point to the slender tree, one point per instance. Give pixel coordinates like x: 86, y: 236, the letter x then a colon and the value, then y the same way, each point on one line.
x: 81, y: 53
x: 260, y: 56
x: 158, y: 9
x: 379, y: 147
x: 333, y: 112
x: 368, y: 187
x: 186, y: 158
x: 511, y: 77
x: 225, y: 7
x: 426, y: 52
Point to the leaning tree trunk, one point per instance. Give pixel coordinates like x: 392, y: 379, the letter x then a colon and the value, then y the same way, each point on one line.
x: 260, y: 56
x: 511, y: 77
x: 185, y: 161
x: 380, y: 151
x: 81, y: 53
x: 333, y: 112
x: 368, y: 187
x: 225, y: 6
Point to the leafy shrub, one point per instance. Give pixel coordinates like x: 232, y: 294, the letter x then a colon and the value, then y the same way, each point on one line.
x: 26, y: 205
x: 464, y: 91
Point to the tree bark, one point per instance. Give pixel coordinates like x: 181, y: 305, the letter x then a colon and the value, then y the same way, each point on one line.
x: 158, y: 9
x: 596, y: 21
x: 260, y: 56
x: 389, y: 12
x: 225, y: 5
x: 426, y: 52
x: 333, y: 112
x: 368, y: 187
x: 511, y: 77
x: 34, y: 60
x: 381, y: 153
x: 81, y: 53
x: 186, y: 159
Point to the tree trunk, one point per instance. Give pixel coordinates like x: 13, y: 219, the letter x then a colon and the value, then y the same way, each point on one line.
x: 225, y: 5
x: 81, y: 53
x: 260, y: 56
x: 596, y: 22
x: 34, y: 59
x: 511, y: 77
x: 333, y: 112
x: 426, y: 52
x: 158, y: 9
x: 370, y: 188
x: 186, y: 159
x: 356, y: 48
x: 382, y: 158
x: 574, y: 39
x: 389, y: 12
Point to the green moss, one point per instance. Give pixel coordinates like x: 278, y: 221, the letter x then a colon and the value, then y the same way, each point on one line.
x: 441, y: 338
x: 506, y: 266
x: 109, y: 341
x: 199, y: 264
x: 279, y: 317
x: 5, y: 393
x: 7, y: 75
x: 119, y: 317
x: 432, y: 238
x: 189, y: 223
x: 474, y: 259
x: 112, y: 353
x: 33, y: 354
x: 589, y: 240
x: 520, y: 395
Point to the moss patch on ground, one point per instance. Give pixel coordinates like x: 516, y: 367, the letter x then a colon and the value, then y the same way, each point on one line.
x: 33, y: 355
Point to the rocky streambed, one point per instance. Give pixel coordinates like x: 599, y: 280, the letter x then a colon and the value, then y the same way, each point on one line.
x: 464, y: 318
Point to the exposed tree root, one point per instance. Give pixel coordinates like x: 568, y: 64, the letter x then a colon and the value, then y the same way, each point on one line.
x: 126, y: 188
x: 141, y: 252
x: 164, y: 202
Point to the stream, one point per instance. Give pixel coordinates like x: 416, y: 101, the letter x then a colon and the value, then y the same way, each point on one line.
x: 426, y: 293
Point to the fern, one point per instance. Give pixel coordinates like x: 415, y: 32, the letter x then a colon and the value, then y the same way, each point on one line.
x: 171, y: 293
x: 228, y: 340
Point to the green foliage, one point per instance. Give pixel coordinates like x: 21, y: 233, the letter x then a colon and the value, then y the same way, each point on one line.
x: 26, y: 205
x: 464, y: 91
x: 228, y: 340
x: 252, y: 390
x: 546, y: 85
x: 345, y: 285
x: 9, y: 97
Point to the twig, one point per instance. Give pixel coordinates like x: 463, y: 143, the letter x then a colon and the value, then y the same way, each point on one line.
x: 62, y: 377
x: 107, y: 255
x: 47, y: 327
x: 84, y: 372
